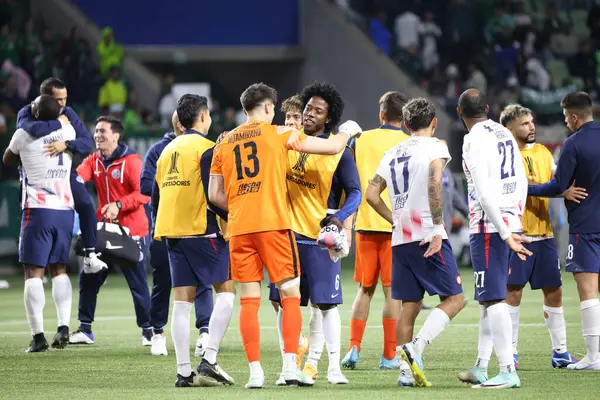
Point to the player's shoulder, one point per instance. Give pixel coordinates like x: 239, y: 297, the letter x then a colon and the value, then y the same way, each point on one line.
x: 68, y: 131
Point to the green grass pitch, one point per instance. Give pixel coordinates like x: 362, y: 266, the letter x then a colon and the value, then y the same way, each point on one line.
x: 117, y: 366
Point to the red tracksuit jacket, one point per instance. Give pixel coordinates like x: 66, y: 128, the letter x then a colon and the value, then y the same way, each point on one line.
x: 118, y: 180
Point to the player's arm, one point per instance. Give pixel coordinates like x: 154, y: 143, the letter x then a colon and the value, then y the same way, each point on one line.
x: 205, y: 162
x: 86, y: 169
x: 135, y: 198
x: 148, y: 175
x: 154, y: 198
x: 216, y: 182
x: 376, y: 186
x: 337, y: 143
x: 347, y: 174
x: 35, y: 128
x: 11, y: 154
x: 563, y: 177
x: 83, y: 140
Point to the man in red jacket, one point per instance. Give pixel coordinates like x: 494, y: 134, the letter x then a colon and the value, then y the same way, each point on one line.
x: 115, y: 169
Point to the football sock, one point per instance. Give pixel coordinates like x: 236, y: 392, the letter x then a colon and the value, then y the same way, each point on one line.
x: 62, y: 292
x: 35, y: 300
x: 357, y: 331
x: 590, y: 327
x: 332, y: 330
x: 514, y: 317
x: 291, y: 324
x: 219, y: 322
x: 180, y: 330
x: 250, y: 328
x: 389, y: 338
x: 501, y: 326
x: 555, y: 321
x: 317, y: 339
x: 85, y: 327
x: 256, y: 370
x: 279, y: 326
x: 435, y: 323
x: 485, y: 344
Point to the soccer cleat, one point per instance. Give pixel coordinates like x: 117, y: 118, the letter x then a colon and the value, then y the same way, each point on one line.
x: 61, y: 339
x: 414, y: 360
x: 189, y: 381
x: 92, y: 264
x: 504, y: 380
x: 38, y: 344
x: 311, y: 371
x: 280, y: 381
x: 159, y: 345
x: 81, y: 337
x: 405, y: 379
x: 585, y: 364
x: 394, y: 363
x: 302, y: 349
x: 295, y: 377
x: 201, y: 344
x: 214, y: 372
x: 562, y: 360
x: 147, y: 336
x: 473, y: 375
x: 351, y: 358
x: 255, y: 382
x: 516, y: 358
x: 335, y: 377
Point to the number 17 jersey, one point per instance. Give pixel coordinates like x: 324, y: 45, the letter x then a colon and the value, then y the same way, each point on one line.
x: 491, y: 154
x: 405, y: 169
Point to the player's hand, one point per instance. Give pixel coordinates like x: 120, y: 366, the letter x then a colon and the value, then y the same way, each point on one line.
x: 515, y: 243
x: 55, y: 148
x: 64, y: 120
x: 110, y: 211
x: 435, y: 245
x: 351, y: 128
x: 575, y: 194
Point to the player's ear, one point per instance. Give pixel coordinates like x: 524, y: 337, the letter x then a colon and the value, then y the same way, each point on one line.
x: 459, y: 112
x: 434, y: 122
x: 381, y: 117
x: 487, y: 108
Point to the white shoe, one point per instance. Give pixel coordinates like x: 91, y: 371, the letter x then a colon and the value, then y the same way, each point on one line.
x: 80, y: 337
x: 255, y: 382
x: 585, y: 364
x: 92, y: 264
x: 201, y: 345
x: 405, y: 379
x: 280, y: 381
x: 295, y: 377
x: 159, y: 345
x: 335, y: 377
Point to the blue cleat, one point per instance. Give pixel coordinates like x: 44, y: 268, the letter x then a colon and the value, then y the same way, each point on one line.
x: 473, y: 375
x: 351, y: 358
x: 562, y: 360
x: 394, y: 363
x: 516, y: 358
x: 504, y: 380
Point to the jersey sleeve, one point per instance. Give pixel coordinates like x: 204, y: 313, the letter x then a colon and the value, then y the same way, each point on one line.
x: 215, y: 166
x: 291, y: 138
x: 383, y: 170
x: 440, y: 150
x: 17, y: 141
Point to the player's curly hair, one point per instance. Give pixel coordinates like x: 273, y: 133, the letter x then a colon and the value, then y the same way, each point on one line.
x: 334, y: 100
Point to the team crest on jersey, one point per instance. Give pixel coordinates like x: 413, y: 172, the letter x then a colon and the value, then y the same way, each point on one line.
x: 116, y: 174
x: 509, y: 271
x: 458, y: 280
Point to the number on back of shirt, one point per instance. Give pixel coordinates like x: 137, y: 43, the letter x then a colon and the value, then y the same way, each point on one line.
x: 479, y: 279
x: 250, y: 166
x: 507, y: 169
x: 397, y: 164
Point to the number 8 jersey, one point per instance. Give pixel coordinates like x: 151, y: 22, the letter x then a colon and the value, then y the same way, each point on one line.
x: 494, y: 169
x: 405, y: 169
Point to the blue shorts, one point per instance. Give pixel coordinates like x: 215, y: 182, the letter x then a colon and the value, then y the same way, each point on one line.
x: 320, y: 277
x: 490, y: 257
x: 541, y: 270
x: 45, y: 236
x: 413, y: 274
x: 583, y: 253
x: 198, y: 261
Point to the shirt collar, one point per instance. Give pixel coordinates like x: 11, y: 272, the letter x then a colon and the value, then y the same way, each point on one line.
x: 586, y: 125
x: 192, y: 131
x: 392, y: 127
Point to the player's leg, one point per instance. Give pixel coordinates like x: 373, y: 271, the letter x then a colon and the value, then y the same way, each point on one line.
x: 275, y: 300
x: 160, y: 296
x: 89, y: 286
x: 316, y: 340
x: 391, y: 307
x: 35, y: 301
x: 203, y: 304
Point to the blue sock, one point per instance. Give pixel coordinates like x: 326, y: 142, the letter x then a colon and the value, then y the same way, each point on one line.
x: 85, y: 327
x: 204, y: 329
x: 158, y: 331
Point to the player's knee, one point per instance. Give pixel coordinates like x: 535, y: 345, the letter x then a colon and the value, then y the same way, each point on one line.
x: 368, y: 290
x: 57, y: 269
x: 325, y: 307
x: 289, y: 287
x: 489, y: 303
x: 31, y: 271
x: 225, y: 287
x: 513, y: 295
x: 553, y: 296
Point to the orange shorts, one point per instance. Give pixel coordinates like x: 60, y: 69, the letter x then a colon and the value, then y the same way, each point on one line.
x: 373, y: 259
x: 276, y: 250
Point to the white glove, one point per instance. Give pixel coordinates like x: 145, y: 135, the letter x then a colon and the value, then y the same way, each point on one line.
x: 350, y: 128
x: 334, y: 241
x: 438, y: 230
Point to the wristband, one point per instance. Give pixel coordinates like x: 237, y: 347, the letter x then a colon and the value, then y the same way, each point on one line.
x: 119, y: 205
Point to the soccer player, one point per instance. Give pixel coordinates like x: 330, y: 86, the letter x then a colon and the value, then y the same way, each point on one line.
x: 412, y: 171
x: 248, y: 178
x: 579, y: 162
x: 115, y: 170
x: 497, y: 194
x: 159, y: 261
x: 81, y: 146
x: 46, y: 221
x: 374, y: 236
x: 198, y: 253
x: 542, y: 270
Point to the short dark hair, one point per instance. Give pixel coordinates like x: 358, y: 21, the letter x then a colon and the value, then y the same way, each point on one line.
x: 47, y: 108
x: 292, y: 103
x: 472, y: 104
x: 189, y: 107
x: 115, y: 123
x: 578, y: 102
x: 51, y: 83
x: 418, y: 113
x: 391, y: 104
x: 333, y: 98
x: 256, y: 94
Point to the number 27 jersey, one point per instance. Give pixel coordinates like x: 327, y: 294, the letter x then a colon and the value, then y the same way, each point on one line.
x: 491, y: 154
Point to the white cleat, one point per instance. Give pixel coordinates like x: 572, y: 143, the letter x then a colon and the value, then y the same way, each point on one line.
x: 92, y: 264
x: 405, y: 379
x: 335, y: 377
x: 585, y: 364
x: 146, y: 342
x: 281, y: 380
x: 201, y: 345
x: 255, y: 382
x: 159, y: 345
x: 295, y: 377
x: 80, y: 337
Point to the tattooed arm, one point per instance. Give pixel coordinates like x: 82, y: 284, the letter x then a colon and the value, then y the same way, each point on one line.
x: 435, y: 191
x: 376, y: 186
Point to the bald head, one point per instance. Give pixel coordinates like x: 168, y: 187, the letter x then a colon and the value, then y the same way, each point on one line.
x: 472, y: 104
x: 177, y: 128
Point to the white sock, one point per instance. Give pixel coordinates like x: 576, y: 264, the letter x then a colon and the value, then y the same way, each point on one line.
x: 180, y: 330
x: 555, y: 321
x: 485, y: 344
x: 218, y: 324
x: 317, y: 339
x: 289, y: 362
x: 514, y: 316
x: 35, y: 300
x: 256, y: 370
x: 332, y: 331
x: 590, y: 327
x: 434, y: 325
x: 279, y: 327
x: 501, y: 335
x: 62, y: 293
